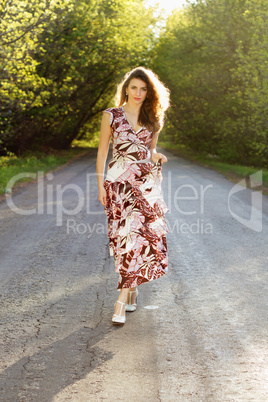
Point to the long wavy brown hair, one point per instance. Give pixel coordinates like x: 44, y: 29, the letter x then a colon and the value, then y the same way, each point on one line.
x: 152, y: 111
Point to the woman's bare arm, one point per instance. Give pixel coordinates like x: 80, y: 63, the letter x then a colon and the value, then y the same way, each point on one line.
x: 155, y: 156
x: 103, y: 149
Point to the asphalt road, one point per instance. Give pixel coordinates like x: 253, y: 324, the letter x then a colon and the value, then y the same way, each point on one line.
x: 199, y: 333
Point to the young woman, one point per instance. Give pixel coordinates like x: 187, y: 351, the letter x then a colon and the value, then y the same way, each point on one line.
x: 131, y: 192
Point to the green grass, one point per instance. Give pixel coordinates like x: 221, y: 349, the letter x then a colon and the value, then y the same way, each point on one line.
x: 233, y: 172
x: 93, y: 143
x: 27, y: 164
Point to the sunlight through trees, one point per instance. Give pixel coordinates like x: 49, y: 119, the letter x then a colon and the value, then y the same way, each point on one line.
x: 60, y: 62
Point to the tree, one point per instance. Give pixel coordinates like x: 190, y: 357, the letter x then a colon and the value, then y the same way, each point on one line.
x: 210, y: 55
x: 61, y: 63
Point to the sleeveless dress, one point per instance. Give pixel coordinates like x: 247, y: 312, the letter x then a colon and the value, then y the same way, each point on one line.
x: 134, y: 205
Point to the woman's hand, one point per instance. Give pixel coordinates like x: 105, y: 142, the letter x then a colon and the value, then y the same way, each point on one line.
x: 157, y: 155
x: 102, y: 195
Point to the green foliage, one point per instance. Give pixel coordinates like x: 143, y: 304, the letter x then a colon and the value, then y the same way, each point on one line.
x: 232, y: 171
x: 60, y: 62
x: 213, y: 56
x: 12, y: 165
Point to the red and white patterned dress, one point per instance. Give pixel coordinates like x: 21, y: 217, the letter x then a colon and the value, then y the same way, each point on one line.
x: 135, y: 207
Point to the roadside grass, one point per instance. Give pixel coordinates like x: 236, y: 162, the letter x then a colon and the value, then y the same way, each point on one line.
x: 32, y: 163
x: 231, y: 171
x: 93, y: 143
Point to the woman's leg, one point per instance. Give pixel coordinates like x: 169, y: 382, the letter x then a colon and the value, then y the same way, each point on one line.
x: 132, y: 296
x: 123, y: 297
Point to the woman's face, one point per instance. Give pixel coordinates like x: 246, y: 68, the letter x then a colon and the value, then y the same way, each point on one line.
x: 137, y: 91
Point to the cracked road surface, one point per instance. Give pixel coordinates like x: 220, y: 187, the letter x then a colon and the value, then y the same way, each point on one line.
x: 206, y: 341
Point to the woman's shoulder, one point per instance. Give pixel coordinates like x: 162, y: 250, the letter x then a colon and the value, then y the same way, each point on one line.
x: 115, y: 112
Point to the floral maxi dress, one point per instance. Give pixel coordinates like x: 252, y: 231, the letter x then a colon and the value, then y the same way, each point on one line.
x: 134, y: 205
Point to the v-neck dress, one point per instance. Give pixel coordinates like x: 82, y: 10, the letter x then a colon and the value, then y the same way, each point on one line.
x: 135, y: 207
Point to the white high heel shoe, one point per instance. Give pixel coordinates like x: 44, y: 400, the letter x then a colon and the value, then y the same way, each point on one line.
x: 119, y: 319
x: 129, y: 306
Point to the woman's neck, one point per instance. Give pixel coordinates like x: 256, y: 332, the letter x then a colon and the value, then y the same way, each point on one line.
x: 132, y: 108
